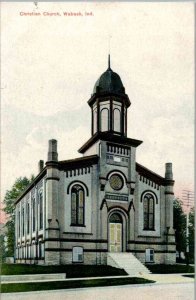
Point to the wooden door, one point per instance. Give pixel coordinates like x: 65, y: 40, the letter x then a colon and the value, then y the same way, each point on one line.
x: 115, y: 237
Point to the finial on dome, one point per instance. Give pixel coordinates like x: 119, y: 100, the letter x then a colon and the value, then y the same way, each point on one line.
x: 109, y: 62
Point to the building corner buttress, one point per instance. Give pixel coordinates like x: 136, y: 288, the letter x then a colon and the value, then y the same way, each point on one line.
x: 169, y: 199
x: 52, y: 244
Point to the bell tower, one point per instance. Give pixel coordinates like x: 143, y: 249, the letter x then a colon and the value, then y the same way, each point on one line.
x: 109, y: 104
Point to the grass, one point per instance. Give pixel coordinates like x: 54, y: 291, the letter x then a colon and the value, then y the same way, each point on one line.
x: 72, y: 271
x: 190, y: 276
x: 43, y: 286
x: 169, y: 269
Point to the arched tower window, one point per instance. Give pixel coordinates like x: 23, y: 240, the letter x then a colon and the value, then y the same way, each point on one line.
x: 77, y: 205
x: 95, y: 121
x: 104, y: 119
x: 116, y: 118
x: 148, y: 209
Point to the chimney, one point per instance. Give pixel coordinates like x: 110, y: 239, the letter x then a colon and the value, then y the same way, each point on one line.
x: 168, y: 171
x: 40, y: 166
x: 52, y: 151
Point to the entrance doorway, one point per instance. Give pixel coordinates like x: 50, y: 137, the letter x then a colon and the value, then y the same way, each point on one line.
x: 115, y: 233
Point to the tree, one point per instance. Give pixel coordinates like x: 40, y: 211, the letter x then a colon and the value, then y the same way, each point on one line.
x: 191, y: 233
x: 2, y: 248
x: 10, y: 197
x: 179, y: 226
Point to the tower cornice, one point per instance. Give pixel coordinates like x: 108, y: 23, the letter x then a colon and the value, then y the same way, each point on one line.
x: 109, y: 137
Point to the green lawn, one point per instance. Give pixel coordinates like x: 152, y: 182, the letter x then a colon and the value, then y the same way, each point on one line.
x: 168, y: 269
x: 190, y: 276
x: 72, y: 271
x: 43, y: 286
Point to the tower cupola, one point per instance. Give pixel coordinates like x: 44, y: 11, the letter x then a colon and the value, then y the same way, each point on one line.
x: 109, y: 104
x: 109, y: 82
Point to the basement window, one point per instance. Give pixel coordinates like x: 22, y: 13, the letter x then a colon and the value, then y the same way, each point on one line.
x: 77, y: 255
x: 149, y: 255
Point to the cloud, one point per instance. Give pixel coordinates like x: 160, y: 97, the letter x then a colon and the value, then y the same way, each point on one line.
x: 50, y: 66
x: 24, y: 162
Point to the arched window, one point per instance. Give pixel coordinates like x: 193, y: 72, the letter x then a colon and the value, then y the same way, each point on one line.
x: 104, y: 119
x: 23, y: 221
x: 115, y: 218
x: 116, y: 119
x: 33, y: 214
x: 125, y: 121
x: 41, y: 210
x: 28, y: 218
x: 19, y: 223
x: 95, y: 121
x: 148, y: 208
x: 77, y: 205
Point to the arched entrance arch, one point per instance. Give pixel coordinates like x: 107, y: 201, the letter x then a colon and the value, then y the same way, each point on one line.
x: 116, y: 230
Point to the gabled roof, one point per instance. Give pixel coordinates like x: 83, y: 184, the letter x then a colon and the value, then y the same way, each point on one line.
x: 79, y: 162
x: 143, y: 171
x: 87, y: 161
x: 32, y: 184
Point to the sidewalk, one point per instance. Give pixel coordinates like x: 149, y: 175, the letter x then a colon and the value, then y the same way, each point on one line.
x: 169, y: 278
x: 159, y: 278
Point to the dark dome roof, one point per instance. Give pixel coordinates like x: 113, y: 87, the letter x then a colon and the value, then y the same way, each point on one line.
x: 109, y: 81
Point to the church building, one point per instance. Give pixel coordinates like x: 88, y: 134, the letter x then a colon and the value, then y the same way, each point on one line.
x: 82, y: 210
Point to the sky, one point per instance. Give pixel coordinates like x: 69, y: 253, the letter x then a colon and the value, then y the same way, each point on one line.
x: 51, y: 63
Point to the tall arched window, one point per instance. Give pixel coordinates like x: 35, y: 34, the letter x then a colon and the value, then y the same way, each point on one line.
x: 19, y: 223
x: 148, y: 208
x: 28, y: 217
x: 77, y: 205
x: 41, y: 210
x: 33, y: 214
x: 95, y: 121
x: 104, y: 119
x: 23, y: 221
x: 116, y: 119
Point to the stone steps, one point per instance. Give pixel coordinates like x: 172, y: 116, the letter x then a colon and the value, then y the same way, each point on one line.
x: 128, y: 262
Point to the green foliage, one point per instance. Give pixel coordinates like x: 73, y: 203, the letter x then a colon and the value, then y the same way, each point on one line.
x: 2, y: 248
x: 19, y: 186
x: 192, y: 233
x: 179, y: 226
x: 180, y: 229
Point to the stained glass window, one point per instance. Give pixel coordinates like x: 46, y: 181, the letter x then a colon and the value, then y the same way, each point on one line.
x: 40, y: 210
x: 23, y: 221
x: 116, y: 182
x: 148, y: 210
x: 19, y: 223
x: 28, y: 218
x: 33, y: 214
x: 77, y: 205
